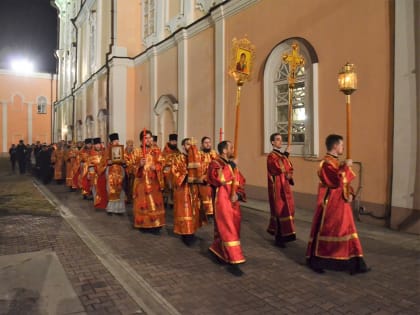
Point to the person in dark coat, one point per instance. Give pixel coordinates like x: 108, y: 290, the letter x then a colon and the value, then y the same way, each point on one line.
x: 12, y: 153
x: 37, y: 150
x: 44, y: 158
x: 21, y: 156
x: 28, y: 154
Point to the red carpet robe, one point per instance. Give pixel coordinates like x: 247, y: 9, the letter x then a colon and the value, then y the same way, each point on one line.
x: 334, y: 242
x: 280, y: 196
x: 96, y: 174
x: 226, y: 181
x: 84, y: 182
x: 148, y: 206
x: 186, y: 198
x: 204, y: 189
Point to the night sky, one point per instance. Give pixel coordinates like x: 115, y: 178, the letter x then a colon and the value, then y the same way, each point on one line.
x: 28, y: 29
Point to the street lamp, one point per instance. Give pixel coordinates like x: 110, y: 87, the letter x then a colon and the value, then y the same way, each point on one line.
x: 347, y: 83
x: 22, y: 66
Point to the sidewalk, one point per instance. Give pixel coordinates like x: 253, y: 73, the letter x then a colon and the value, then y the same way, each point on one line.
x: 114, y: 269
x: 187, y: 280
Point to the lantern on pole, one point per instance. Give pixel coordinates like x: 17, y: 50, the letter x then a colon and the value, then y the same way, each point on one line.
x: 347, y: 83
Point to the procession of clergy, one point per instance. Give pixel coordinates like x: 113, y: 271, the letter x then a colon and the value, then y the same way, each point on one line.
x: 201, y: 183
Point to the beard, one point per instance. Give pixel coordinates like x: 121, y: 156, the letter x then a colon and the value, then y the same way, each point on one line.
x: 172, y: 146
x: 206, y: 150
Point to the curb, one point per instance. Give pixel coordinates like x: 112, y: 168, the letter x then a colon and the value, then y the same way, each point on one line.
x: 148, y: 299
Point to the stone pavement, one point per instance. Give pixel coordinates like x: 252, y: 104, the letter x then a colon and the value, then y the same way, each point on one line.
x: 159, y: 274
x: 187, y: 280
x: 98, y: 291
x: 46, y: 291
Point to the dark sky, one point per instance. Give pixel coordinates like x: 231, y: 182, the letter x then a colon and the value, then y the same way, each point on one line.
x: 28, y: 29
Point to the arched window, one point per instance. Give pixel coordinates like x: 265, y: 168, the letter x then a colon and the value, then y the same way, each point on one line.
x: 149, y: 20
x: 92, y: 41
x: 89, y: 126
x: 102, y: 124
x: 305, y: 99
x: 79, y: 130
x: 166, y: 117
x: 42, y: 105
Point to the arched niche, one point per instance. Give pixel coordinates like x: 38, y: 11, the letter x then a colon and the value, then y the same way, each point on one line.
x: 166, y: 117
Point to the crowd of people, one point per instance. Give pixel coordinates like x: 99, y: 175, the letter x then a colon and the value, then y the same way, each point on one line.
x: 200, y: 184
x: 32, y: 158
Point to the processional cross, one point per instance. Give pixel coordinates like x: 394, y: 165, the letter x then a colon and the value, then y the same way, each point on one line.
x: 294, y: 61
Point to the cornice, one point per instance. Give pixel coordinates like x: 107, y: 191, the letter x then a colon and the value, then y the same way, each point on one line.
x: 34, y: 75
x: 175, y: 23
x: 121, y: 62
x: 222, y: 10
x: 235, y: 6
x: 204, y: 5
x: 84, y: 12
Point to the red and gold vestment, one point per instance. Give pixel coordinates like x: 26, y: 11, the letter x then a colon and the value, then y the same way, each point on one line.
x: 226, y: 180
x: 280, y: 195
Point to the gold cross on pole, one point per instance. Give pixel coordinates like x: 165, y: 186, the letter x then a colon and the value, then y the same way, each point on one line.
x: 294, y: 60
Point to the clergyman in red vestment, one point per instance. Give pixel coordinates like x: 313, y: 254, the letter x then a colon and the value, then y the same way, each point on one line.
x: 96, y: 176
x: 186, y: 197
x: 227, y: 184
x: 334, y: 243
x: 280, y: 195
x: 148, y: 207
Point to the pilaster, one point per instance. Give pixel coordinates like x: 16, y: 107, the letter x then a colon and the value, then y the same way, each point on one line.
x: 218, y: 17
x: 4, y: 126
x: 30, y: 122
x: 182, y: 44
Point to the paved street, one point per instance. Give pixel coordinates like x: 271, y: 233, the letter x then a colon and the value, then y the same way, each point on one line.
x: 115, y: 269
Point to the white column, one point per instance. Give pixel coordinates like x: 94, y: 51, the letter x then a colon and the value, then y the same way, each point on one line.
x: 83, y: 116
x: 405, y: 111
x: 118, y: 99
x: 315, y: 128
x: 153, y: 89
x: 29, y: 123
x: 160, y: 20
x: 4, y: 126
x: 99, y: 17
x: 95, y: 108
x: 220, y: 72
x: 182, y: 43
x: 188, y: 8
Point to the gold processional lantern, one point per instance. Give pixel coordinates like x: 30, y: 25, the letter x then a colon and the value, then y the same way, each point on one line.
x: 347, y: 83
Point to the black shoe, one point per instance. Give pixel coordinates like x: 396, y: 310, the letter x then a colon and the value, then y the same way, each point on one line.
x: 316, y: 269
x: 189, y: 239
x: 279, y: 242
x: 155, y: 231
x: 364, y: 270
x: 109, y: 213
x: 235, y: 270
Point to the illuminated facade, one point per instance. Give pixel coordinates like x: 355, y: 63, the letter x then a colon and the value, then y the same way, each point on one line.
x: 25, y: 103
x: 162, y: 64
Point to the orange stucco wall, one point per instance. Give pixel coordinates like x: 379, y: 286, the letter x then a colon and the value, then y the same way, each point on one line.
x: 17, y: 91
x: 129, y: 27
x: 131, y: 131
x: 167, y: 72
x: 142, y: 99
x: 200, y: 105
x: 339, y: 33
